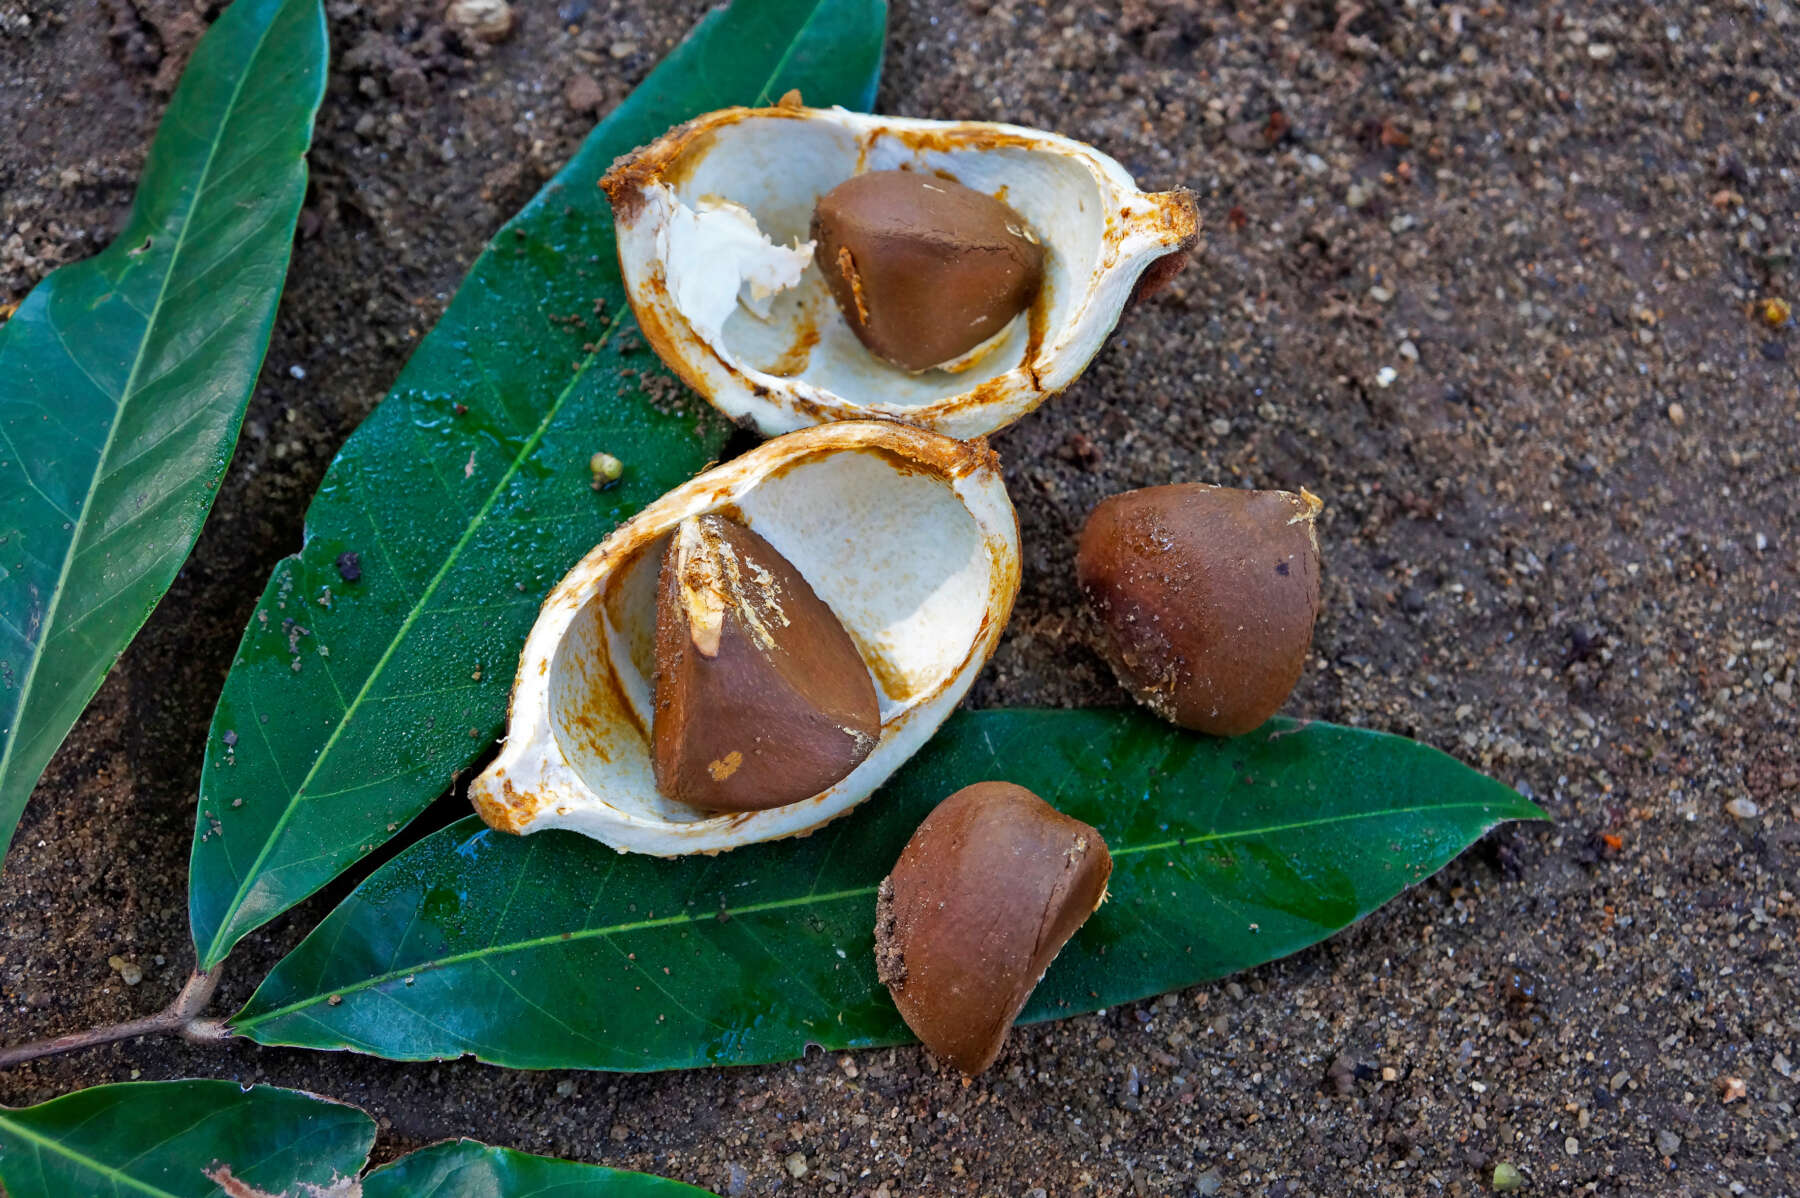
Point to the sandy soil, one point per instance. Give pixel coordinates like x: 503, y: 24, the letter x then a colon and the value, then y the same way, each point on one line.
x: 1561, y: 544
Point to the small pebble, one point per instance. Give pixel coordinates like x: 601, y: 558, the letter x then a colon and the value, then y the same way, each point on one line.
x: 583, y: 95
x: 130, y: 972
x: 565, y: 1088
x: 1221, y: 427
x: 737, y: 1180
x: 1667, y: 1142
x: 1129, y: 1088
x: 1743, y: 808
x: 1677, y: 415
x: 1208, y: 1183
x: 1385, y: 377
x: 1409, y: 351
x: 488, y: 20
x: 1507, y: 1177
x: 796, y: 1165
x: 298, y: 372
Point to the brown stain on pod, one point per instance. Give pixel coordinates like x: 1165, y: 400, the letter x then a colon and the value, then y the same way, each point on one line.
x: 1206, y: 598
x: 761, y: 698
x: 983, y: 897
x: 923, y: 268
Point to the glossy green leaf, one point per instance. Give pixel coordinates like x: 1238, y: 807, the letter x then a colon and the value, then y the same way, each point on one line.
x: 466, y: 1169
x: 554, y: 951
x: 361, y: 689
x: 185, y: 1139
x: 123, y: 378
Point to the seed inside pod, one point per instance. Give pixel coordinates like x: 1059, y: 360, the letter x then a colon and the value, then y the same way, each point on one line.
x: 1206, y: 598
x: 984, y: 896
x: 924, y: 268
x: 761, y: 698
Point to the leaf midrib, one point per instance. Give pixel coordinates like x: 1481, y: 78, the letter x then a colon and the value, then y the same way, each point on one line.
x: 214, y: 952
x: 762, y: 96
x: 818, y: 899
x: 112, y: 1174
x: 125, y: 396
x: 222, y: 941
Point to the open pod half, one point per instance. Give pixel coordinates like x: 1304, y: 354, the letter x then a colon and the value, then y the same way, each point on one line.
x: 907, y: 536
x: 784, y: 357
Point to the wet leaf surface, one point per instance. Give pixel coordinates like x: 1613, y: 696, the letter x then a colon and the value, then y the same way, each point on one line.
x: 378, y: 662
x: 123, y: 378
x: 184, y: 1139
x: 554, y: 951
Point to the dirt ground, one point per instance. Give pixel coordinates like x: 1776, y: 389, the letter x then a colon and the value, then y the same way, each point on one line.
x: 1483, y: 276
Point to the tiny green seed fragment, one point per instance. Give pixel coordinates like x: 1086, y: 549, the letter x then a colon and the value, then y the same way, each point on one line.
x: 605, y: 469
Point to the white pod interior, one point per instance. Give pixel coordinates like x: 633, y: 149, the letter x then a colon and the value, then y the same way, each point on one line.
x: 690, y: 206
x: 907, y: 536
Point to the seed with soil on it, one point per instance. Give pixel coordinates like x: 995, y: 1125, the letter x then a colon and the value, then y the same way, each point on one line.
x: 1206, y: 598
x: 984, y: 896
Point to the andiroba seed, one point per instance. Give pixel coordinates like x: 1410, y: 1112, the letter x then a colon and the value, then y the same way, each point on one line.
x: 983, y: 897
x: 924, y: 268
x: 761, y: 698
x: 1206, y: 598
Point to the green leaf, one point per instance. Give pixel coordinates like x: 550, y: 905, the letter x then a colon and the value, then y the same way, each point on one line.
x: 123, y: 378
x: 554, y: 951
x: 185, y: 1139
x: 353, y: 702
x: 466, y: 1169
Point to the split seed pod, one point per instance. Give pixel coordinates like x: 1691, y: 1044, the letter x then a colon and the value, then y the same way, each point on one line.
x: 713, y: 222
x: 1206, y: 598
x: 984, y: 896
x: 908, y: 537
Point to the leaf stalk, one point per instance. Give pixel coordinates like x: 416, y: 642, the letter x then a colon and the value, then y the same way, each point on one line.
x: 183, y: 1015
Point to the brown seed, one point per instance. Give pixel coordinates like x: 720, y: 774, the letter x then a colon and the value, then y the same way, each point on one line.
x: 761, y: 696
x: 984, y: 896
x: 924, y: 268
x: 1206, y: 598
